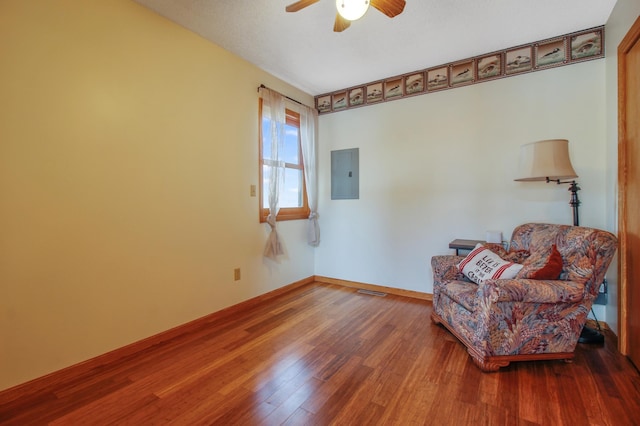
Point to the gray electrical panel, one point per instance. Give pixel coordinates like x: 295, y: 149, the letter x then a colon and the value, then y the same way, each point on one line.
x: 345, y: 184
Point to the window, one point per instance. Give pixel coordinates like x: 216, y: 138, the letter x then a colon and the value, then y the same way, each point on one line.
x: 292, y: 197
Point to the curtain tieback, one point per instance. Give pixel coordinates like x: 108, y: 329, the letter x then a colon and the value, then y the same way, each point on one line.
x: 271, y: 220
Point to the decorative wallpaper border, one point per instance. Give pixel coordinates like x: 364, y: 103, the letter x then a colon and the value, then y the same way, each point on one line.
x: 559, y: 51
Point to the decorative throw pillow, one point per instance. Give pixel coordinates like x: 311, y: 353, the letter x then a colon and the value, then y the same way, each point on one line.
x: 515, y: 256
x: 482, y: 264
x: 544, y: 267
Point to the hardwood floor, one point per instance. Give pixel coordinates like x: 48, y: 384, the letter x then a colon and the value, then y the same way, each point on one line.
x: 325, y: 354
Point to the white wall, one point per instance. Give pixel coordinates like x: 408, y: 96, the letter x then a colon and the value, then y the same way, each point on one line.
x: 441, y: 166
x: 622, y: 17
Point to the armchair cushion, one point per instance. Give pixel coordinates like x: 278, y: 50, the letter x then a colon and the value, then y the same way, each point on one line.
x: 532, y: 291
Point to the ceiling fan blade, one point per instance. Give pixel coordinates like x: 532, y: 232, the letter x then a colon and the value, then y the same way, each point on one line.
x: 390, y: 8
x: 340, y: 24
x: 301, y: 4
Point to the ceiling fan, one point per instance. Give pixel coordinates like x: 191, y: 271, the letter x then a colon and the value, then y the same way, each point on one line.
x: 351, y: 10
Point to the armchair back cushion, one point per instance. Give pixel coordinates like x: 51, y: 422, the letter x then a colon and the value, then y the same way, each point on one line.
x: 586, y: 252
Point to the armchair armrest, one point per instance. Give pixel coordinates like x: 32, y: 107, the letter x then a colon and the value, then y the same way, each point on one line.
x: 532, y: 291
x: 445, y: 268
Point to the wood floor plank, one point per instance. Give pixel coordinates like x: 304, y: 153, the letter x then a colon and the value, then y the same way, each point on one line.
x: 322, y: 354
x: 305, y: 374
x: 331, y: 384
x: 411, y: 404
x: 343, y: 394
x: 286, y: 407
x: 301, y: 417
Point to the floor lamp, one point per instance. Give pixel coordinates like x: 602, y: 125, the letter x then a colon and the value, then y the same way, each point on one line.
x: 549, y: 161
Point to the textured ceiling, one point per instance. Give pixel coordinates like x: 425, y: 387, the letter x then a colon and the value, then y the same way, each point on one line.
x: 302, y: 49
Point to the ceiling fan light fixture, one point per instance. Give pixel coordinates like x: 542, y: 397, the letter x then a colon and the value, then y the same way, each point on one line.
x: 352, y: 10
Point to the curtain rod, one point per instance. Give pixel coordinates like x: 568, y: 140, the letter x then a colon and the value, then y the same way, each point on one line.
x: 262, y: 86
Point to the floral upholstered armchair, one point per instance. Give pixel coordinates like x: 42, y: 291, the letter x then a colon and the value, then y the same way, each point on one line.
x: 539, y: 312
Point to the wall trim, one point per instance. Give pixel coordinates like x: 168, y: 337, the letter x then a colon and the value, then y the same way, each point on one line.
x: 374, y: 287
x: 83, y: 367
x: 43, y: 382
x: 48, y: 380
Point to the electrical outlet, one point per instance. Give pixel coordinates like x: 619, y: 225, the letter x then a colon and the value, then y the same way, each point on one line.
x: 236, y: 274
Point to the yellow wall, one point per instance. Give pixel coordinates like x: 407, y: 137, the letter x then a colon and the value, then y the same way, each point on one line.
x: 127, y: 148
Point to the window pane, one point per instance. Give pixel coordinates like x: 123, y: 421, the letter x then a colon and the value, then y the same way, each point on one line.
x: 266, y: 139
x: 291, y: 192
x: 291, y: 146
x: 265, y: 187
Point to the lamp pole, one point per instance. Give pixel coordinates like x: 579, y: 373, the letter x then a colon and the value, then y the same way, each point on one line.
x: 574, y: 202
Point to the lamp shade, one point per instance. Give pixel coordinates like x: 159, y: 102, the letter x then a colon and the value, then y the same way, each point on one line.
x: 548, y: 159
x: 352, y: 10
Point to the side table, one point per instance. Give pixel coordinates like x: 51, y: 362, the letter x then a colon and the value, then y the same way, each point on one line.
x: 469, y: 245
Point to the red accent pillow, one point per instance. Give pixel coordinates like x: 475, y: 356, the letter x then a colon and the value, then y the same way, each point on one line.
x: 548, y: 268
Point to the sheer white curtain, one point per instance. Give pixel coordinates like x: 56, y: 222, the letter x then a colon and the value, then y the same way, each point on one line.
x: 273, y: 110
x: 308, y: 140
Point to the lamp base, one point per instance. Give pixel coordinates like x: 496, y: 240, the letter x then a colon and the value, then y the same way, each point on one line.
x: 591, y: 335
